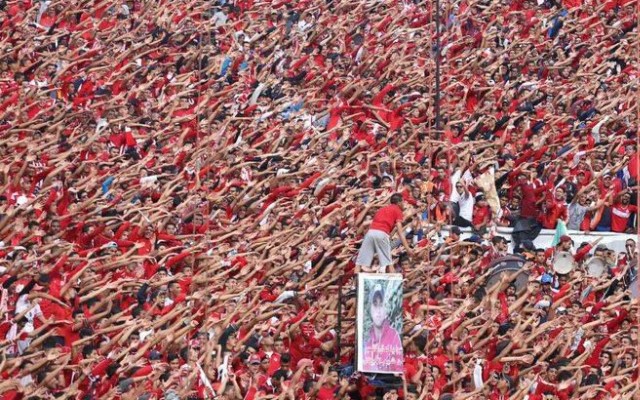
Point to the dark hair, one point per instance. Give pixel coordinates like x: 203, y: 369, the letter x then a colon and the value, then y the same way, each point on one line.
x: 396, y: 198
x: 172, y: 356
x: 184, y: 353
x: 279, y: 374
x: 420, y: 342
x: 412, y: 389
x: 52, y: 342
x: 112, y: 369
x: 85, y: 332
x: 135, y: 313
x: 308, y: 384
x: 87, y: 350
x: 564, y: 376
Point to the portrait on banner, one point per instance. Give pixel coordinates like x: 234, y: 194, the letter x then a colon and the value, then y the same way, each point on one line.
x: 380, y: 323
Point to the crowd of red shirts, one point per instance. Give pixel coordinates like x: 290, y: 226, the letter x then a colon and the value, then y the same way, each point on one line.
x: 185, y: 184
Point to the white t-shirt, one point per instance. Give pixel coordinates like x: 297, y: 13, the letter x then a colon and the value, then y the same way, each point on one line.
x: 23, y: 303
x: 466, y: 202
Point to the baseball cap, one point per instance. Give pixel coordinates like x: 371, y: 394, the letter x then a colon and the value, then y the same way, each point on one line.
x: 377, y: 290
x: 474, y: 239
x: 546, y: 279
x: 565, y: 238
x: 253, y: 359
x: 304, y: 361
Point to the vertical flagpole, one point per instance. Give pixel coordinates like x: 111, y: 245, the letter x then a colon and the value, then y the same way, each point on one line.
x: 438, y: 52
x: 339, y: 328
x: 438, y: 135
x: 637, y: 48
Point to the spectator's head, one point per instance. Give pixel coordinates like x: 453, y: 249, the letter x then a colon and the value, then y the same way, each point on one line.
x: 88, y: 351
x: 397, y: 199
x: 162, y: 273
x: 560, y: 194
x: 481, y: 200
x: 565, y: 243
x: 625, y: 199
x: 333, y: 377
x: 253, y: 363
x: 500, y: 243
x: 455, y: 232
x: 278, y: 377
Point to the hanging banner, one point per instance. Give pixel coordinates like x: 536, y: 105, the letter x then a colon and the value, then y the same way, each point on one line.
x: 379, y: 322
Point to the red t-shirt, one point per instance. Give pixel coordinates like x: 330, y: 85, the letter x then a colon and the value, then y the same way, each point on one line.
x: 481, y: 215
x: 386, y: 218
x: 620, y: 217
x: 302, y: 347
x: 326, y: 393
x: 554, y: 212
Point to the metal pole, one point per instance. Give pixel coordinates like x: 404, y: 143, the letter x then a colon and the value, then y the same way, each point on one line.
x: 637, y: 127
x: 339, y: 328
x: 438, y: 52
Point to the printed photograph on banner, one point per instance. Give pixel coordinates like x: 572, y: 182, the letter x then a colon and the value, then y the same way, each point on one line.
x: 379, y: 323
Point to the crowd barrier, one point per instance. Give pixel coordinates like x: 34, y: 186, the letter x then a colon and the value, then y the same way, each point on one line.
x: 614, y: 241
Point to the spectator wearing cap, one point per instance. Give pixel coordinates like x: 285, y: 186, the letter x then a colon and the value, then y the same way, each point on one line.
x: 608, y: 184
x: 252, y: 377
x: 566, y: 243
x: 482, y: 214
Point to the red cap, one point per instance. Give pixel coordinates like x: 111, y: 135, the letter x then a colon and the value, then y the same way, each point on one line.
x: 304, y: 361
x: 254, y: 359
x: 565, y: 238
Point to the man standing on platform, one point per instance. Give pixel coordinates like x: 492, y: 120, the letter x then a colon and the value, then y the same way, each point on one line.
x: 377, y: 242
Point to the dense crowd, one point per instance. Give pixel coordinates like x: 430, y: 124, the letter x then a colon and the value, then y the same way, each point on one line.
x: 186, y: 185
